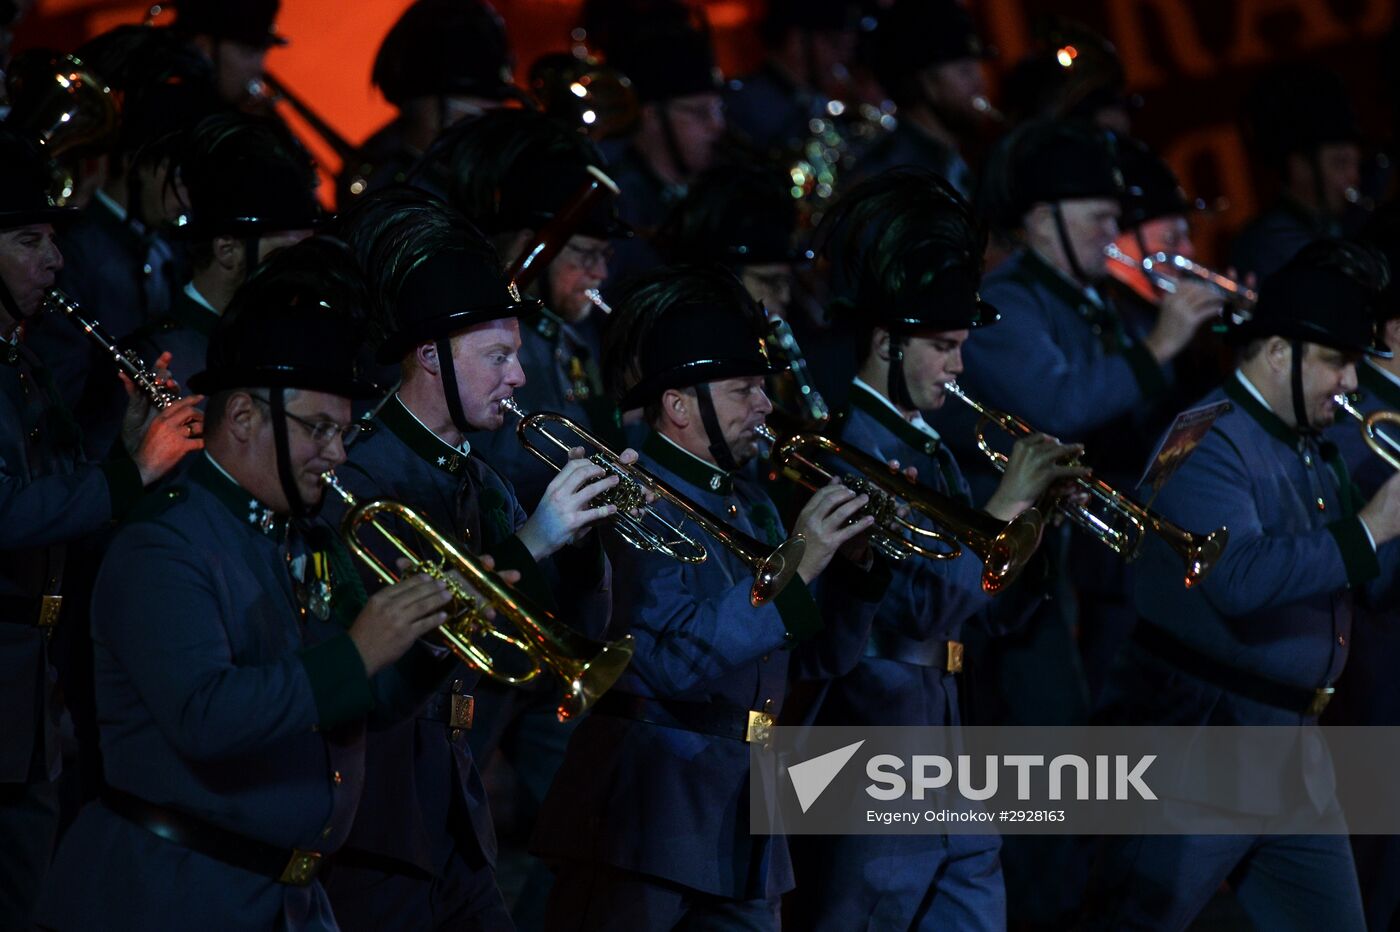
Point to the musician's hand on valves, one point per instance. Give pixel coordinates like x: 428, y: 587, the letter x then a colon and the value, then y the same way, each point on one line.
x: 828, y: 521
x: 509, y: 577
x: 173, y: 434
x: 569, y: 506
x: 1037, y: 462
x: 1381, y: 514
x: 395, y: 617
x: 1179, y: 316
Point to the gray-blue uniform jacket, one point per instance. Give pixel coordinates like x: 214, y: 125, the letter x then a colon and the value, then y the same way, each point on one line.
x: 561, y: 374
x: 905, y: 678
x: 1064, y: 364
x: 420, y: 770
x: 184, y: 333
x: 220, y: 697
x: 671, y: 800
x: 1277, y: 607
x: 49, y: 496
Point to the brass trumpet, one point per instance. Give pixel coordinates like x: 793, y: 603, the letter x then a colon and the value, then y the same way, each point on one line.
x: 1117, y: 521
x: 1004, y: 548
x: 588, y: 668
x: 637, y: 523
x: 1235, y: 293
x: 1384, y: 446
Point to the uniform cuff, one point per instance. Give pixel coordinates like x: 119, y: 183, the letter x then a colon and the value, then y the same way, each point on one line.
x: 798, y: 611
x: 123, y: 484
x: 1150, y: 377
x: 511, y: 554
x: 1358, y: 555
x: 338, y: 680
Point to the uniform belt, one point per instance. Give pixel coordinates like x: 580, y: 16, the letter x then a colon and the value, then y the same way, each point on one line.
x: 39, y: 610
x: 294, y: 866
x: 940, y: 655
x: 1166, y: 647
x: 455, y: 710
x: 732, y: 722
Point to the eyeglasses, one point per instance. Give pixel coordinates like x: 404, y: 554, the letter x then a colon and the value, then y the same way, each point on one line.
x: 322, y: 432
x: 593, y: 258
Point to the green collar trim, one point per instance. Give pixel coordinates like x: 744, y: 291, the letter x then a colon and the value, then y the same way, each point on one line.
x: 429, y: 447
x: 689, y: 467
x: 1273, y: 425
x: 1034, y: 268
x: 1375, y: 382
x: 872, y: 404
x: 548, y: 324
x: 236, y: 499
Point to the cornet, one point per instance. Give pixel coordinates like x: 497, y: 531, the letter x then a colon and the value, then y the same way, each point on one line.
x: 637, y: 523
x: 1004, y: 548
x: 1383, y: 445
x: 588, y: 668
x: 1233, y: 292
x: 1117, y: 521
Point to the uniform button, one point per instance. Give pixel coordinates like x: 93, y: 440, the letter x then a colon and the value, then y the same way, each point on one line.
x: 765, y: 658
x: 733, y: 511
x: 1321, y: 505
x: 1307, y: 459
x: 337, y: 777
x: 1342, y: 640
x: 146, y: 268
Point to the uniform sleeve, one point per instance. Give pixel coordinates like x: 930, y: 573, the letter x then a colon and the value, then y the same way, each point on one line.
x: 158, y: 609
x: 58, y: 508
x: 1018, y: 366
x: 1259, y: 570
x: 848, y: 598
x: 692, y: 626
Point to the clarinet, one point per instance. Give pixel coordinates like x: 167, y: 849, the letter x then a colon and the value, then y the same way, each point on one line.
x: 781, y: 338
x: 144, y: 378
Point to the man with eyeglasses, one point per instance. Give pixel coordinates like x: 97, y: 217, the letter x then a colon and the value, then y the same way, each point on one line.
x: 233, y: 711
x: 423, y: 851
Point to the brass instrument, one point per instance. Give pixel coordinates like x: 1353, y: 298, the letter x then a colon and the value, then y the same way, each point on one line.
x: 596, y: 297
x: 579, y: 89
x: 1004, y: 548
x: 1384, y: 446
x: 1235, y: 293
x: 267, y: 91
x: 1117, y: 521
x: 553, y: 235
x: 781, y: 339
x: 637, y: 523
x: 588, y: 668
x: 66, y: 108
x: 145, y: 378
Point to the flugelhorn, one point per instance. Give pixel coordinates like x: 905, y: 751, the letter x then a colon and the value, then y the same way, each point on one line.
x: 588, y: 668
x: 1117, y: 521
x: 639, y: 524
x: 145, y: 378
x: 1154, y: 267
x: 1003, y: 547
x: 1383, y: 445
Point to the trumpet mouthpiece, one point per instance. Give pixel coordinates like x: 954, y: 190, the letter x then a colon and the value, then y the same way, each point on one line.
x: 594, y: 295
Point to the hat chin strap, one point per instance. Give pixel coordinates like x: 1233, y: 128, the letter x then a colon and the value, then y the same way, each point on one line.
x: 1062, y: 231
x: 252, y: 246
x: 1300, y: 410
x: 449, y: 386
x: 719, y: 447
x: 896, y: 386
x: 295, y: 506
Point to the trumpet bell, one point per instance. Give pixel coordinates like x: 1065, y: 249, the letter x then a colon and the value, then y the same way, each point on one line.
x: 1010, y: 550
x: 1201, y: 556
x: 774, y: 571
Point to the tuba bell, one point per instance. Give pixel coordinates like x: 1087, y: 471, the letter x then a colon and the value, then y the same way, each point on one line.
x: 588, y: 668
x: 65, y: 108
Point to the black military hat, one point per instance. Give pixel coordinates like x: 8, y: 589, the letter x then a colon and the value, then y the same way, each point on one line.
x: 818, y: 15
x: 1150, y: 188
x: 1328, y: 293
x: 734, y: 215
x: 449, y: 291
x: 681, y: 326
x: 24, y: 185
x: 906, y: 254
x: 445, y: 47
x: 247, y: 175
x: 1072, y: 73
x: 1296, y: 108
x: 299, y: 322
x: 911, y: 35
x: 250, y: 22
x: 666, y: 59
x: 1048, y: 161
x: 515, y: 169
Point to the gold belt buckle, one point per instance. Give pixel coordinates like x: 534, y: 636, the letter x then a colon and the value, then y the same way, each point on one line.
x: 302, y: 868
x: 1321, y: 696
x: 954, y: 662
x: 49, y: 607
x: 760, y: 730
x: 463, y: 711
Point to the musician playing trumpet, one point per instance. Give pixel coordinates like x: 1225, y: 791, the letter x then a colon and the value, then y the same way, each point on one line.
x: 647, y: 820
x: 911, y: 292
